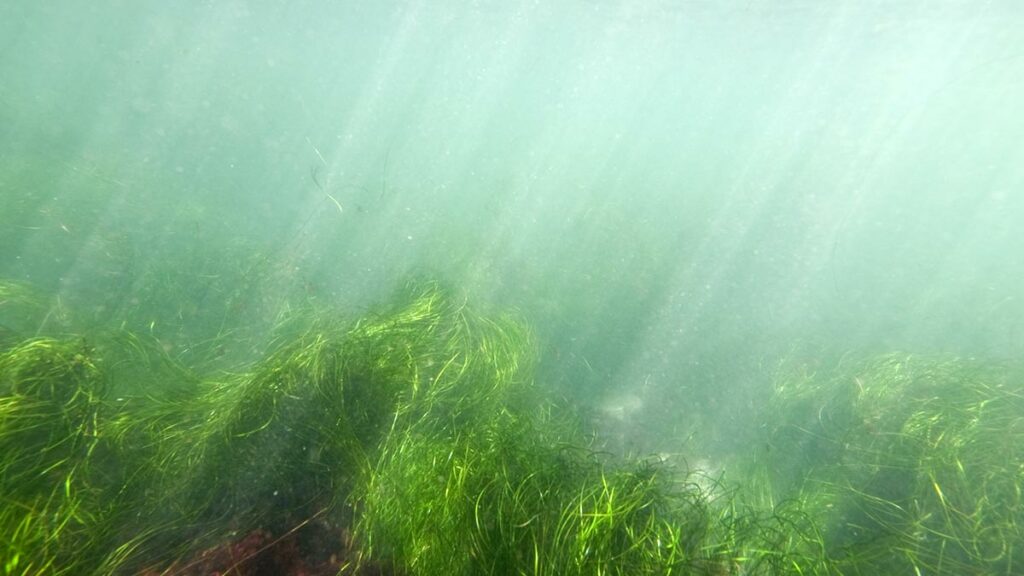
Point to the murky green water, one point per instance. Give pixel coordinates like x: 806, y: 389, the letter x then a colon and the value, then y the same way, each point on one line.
x: 777, y: 244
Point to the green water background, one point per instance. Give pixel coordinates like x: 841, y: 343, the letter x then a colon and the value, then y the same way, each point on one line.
x: 676, y: 195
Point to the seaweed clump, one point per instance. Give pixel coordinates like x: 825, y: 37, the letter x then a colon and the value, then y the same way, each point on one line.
x: 414, y: 440
x: 50, y: 394
x: 411, y: 441
x: 907, y: 464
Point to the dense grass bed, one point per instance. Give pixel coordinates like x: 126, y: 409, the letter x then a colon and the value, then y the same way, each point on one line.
x: 415, y: 440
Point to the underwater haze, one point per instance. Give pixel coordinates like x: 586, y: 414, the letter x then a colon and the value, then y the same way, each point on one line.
x: 697, y: 207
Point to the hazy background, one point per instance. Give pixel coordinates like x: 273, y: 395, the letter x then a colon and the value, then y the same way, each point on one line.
x: 675, y: 194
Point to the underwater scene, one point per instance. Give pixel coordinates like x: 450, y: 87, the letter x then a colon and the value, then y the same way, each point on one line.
x: 578, y: 287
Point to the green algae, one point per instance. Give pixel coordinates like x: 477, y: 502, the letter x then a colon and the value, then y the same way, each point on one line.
x: 418, y: 432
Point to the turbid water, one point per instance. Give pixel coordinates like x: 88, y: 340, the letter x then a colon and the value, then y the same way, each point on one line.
x: 766, y: 240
